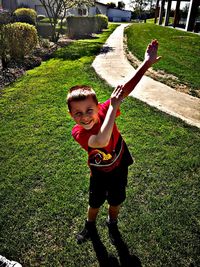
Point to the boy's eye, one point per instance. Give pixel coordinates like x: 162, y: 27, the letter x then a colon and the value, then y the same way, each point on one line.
x: 78, y: 114
x: 90, y: 111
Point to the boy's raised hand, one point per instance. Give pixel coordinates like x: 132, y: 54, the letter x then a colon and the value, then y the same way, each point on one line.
x: 151, y: 53
x: 150, y: 58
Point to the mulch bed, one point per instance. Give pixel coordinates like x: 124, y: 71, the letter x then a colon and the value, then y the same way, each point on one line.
x: 15, y: 69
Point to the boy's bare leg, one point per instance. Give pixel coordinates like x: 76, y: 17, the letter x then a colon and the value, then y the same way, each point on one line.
x: 113, y: 212
x: 89, y: 230
x: 114, y: 234
x: 92, y: 214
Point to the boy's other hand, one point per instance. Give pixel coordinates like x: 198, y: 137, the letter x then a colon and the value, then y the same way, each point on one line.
x: 151, y: 56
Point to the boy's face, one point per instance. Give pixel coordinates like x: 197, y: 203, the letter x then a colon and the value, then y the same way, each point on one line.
x: 85, y: 112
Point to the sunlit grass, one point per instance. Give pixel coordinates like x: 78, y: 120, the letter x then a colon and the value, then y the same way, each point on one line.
x: 180, y: 50
x: 44, y: 173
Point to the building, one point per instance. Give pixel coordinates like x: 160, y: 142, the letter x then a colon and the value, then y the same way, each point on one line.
x: 191, y: 21
x: 113, y: 14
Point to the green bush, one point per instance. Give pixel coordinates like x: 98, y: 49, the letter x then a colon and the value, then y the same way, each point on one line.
x: 45, y: 30
x: 78, y: 27
x: 20, y: 39
x: 62, y: 26
x: 26, y: 15
x: 84, y: 26
x: 102, y: 21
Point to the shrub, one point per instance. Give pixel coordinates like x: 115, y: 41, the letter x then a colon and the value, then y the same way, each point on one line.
x: 26, y: 15
x: 80, y: 26
x: 102, y: 21
x: 45, y: 30
x: 20, y: 38
x: 62, y: 26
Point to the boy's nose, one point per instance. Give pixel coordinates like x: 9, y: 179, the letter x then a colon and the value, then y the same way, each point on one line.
x: 85, y: 115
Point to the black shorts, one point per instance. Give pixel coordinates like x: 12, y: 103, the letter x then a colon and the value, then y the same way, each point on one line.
x: 110, y: 186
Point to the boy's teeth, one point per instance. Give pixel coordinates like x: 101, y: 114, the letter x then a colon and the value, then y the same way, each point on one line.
x: 87, y: 122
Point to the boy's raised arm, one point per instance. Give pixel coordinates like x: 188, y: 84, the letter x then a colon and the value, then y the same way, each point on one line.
x: 120, y: 92
x: 150, y: 58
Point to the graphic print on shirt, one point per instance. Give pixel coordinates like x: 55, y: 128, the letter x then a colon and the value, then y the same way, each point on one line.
x: 100, y: 156
x: 104, y: 161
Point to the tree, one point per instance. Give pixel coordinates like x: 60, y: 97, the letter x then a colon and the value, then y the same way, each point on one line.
x: 111, y: 5
x: 140, y: 6
x: 57, y: 10
x: 121, y: 5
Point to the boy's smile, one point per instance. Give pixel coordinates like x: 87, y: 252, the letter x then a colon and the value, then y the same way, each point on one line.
x: 85, y: 112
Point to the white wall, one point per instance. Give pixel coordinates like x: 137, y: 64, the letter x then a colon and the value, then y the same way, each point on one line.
x: 92, y: 11
x: 30, y: 3
x: 103, y: 9
x: 119, y: 15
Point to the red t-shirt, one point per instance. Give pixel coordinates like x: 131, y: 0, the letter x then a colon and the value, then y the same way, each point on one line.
x: 106, y: 158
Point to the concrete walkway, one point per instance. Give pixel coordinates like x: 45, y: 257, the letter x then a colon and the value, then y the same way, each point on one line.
x: 112, y: 65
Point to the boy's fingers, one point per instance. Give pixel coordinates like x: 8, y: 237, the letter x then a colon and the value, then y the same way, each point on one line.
x: 154, y: 42
x: 119, y: 88
x: 117, y: 91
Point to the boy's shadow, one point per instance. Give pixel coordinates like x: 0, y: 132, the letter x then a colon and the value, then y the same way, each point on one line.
x: 126, y: 259
x: 105, y: 260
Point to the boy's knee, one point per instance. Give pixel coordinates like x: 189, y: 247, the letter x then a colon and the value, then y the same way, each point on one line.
x: 114, y: 207
x: 93, y: 209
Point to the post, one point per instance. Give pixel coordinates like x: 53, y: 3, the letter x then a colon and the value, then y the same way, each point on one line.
x: 192, y: 13
x: 156, y: 11
x: 176, y: 14
x: 166, y: 22
x: 161, y: 12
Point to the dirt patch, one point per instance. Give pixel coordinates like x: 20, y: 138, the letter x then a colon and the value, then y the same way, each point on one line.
x: 162, y: 76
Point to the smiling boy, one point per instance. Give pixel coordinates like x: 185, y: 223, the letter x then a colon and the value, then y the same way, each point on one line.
x: 108, y: 155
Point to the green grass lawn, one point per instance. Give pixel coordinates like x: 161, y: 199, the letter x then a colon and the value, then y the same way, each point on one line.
x: 44, y: 174
x: 180, y: 51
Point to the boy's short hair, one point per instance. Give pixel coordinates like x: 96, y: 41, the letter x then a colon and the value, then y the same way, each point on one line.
x: 80, y: 92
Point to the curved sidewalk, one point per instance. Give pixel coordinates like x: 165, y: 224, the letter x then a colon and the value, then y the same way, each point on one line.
x: 112, y: 65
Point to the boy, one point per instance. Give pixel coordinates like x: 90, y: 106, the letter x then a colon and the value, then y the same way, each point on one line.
x: 108, y: 155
